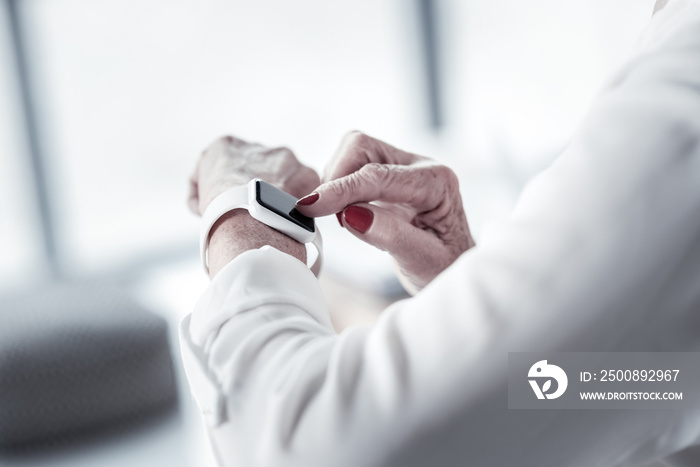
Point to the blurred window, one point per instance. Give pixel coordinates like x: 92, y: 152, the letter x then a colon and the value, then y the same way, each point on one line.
x: 20, y: 253
x: 129, y: 92
x: 132, y: 91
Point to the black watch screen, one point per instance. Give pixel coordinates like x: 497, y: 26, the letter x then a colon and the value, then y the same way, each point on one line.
x: 282, y: 204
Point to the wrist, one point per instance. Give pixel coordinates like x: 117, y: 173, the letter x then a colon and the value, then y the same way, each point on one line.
x: 236, y: 232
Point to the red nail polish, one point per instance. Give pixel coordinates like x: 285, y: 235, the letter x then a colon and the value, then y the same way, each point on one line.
x: 339, y: 215
x: 308, y: 199
x: 359, y: 218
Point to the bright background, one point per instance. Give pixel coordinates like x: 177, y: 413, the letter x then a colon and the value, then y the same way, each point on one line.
x: 127, y: 93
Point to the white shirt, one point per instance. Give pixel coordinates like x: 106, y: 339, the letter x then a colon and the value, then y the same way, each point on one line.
x: 601, y: 254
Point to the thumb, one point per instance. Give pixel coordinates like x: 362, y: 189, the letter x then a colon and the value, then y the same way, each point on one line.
x: 410, y: 246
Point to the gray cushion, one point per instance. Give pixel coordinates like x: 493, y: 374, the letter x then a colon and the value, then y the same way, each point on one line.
x: 78, y: 356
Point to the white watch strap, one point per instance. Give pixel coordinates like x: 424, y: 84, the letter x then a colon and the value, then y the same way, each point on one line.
x: 314, y: 259
x: 234, y: 198
x: 239, y: 198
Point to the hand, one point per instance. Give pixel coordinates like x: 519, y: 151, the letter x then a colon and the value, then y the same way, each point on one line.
x: 230, y: 162
x: 416, y: 213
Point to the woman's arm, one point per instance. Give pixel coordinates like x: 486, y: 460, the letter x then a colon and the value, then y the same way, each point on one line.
x: 601, y: 255
x: 237, y: 232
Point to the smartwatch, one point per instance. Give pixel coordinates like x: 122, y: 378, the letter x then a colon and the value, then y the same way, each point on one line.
x: 272, y: 207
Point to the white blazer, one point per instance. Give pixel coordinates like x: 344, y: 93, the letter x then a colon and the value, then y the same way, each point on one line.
x: 602, y: 253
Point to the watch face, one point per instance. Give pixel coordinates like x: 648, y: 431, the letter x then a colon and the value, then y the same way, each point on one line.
x: 282, y: 204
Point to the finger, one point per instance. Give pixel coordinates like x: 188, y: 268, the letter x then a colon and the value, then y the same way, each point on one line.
x: 413, y: 248
x: 226, y: 141
x: 423, y: 187
x: 193, y: 195
x: 358, y: 149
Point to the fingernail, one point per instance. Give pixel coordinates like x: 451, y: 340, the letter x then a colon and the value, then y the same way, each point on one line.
x: 308, y: 199
x: 359, y: 218
x: 339, y: 215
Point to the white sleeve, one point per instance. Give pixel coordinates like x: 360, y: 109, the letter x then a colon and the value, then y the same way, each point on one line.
x: 601, y: 254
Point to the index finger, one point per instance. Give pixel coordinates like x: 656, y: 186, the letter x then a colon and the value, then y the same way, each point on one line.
x: 419, y: 186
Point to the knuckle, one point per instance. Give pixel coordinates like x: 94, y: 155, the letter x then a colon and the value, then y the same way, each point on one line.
x: 374, y: 172
x: 445, y: 175
x: 348, y: 185
x: 356, y: 138
x: 351, y: 135
x: 287, y: 153
x: 221, y: 143
x: 283, y: 152
x: 226, y: 139
x: 338, y: 188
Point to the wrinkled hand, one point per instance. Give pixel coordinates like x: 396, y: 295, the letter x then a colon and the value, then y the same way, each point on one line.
x: 416, y: 213
x: 230, y: 162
